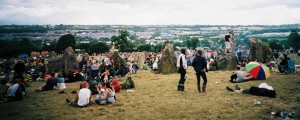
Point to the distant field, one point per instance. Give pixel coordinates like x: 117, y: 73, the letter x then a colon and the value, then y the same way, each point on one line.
x: 155, y: 97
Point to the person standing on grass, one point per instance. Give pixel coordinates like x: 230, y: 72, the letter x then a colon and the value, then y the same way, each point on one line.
x: 182, y: 67
x: 199, y: 63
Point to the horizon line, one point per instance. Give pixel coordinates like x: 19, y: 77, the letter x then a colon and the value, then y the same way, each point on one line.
x: 162, y: 24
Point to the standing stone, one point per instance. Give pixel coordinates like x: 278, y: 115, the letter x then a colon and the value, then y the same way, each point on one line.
x: 69, y: 59
x: 226, y: 62
x: 140, y: 58
x: 118, y: 60
x: 168, y: 60
x: 260, y: 53
x: 52, y: 54
x: 63, y: 62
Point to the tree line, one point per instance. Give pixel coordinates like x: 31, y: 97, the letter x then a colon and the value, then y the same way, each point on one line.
x: 122, y: 42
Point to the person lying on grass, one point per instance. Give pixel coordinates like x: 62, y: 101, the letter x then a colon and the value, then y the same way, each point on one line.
x: 240, y: 76
x: 106, y: 96
x: 262, y: 90
x: 50, y: 83
x: 83, y: 98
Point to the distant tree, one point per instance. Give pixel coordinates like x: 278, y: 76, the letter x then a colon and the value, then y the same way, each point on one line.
x: 188, y: 43
x: 50, y: 47
x: 64, y: 42
x: 121, y: 40
x: 98, y: 47
x: 294, y: 39
x: 84, y: 46
x: 158, y: 48
x: 194, y: 42
x: 13, y: 48
x: 145, y: 47
x: 130, y: 47
x: 275, y: 45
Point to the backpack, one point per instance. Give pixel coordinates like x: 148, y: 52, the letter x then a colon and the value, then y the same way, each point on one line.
x: 128, y: 84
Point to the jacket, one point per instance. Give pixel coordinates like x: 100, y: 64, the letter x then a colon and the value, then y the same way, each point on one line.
x: 199, y: 63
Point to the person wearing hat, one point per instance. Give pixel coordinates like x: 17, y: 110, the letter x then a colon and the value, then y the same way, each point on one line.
x: 83, y: 98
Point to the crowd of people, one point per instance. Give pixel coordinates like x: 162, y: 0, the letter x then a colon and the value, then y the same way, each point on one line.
x: 99, y: 77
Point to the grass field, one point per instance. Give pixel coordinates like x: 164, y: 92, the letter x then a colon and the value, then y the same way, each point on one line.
x: 156, y: 97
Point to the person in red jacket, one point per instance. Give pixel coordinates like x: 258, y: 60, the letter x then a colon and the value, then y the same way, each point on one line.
x: 116, y: 85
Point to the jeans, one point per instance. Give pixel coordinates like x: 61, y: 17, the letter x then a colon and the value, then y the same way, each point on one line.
x: 203, y: 75
x: 182, y: 77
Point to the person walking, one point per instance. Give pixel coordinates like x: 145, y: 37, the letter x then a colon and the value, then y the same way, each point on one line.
x: 182, y: 67
x: 199, y: 63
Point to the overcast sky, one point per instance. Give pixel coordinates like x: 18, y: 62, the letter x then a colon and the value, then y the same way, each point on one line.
x: 150, y: 12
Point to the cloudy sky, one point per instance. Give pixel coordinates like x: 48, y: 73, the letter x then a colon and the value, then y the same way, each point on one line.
x: 150, y: 12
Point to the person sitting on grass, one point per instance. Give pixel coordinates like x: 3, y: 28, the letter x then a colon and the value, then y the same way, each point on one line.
x: 16, y: 91
x: 70, y: 77
x: 50, y: 83
x: 61, y: 83
x: 262, y: 90
x: 83, y: 98
x: 107, y: 96
x: 93, y: 86
x: 116, y: 85
x: 3, y: 89
x: 284, y: 64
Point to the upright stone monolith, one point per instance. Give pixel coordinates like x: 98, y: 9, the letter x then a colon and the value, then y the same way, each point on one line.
x: 118, y: 60
x: 140, y: 59
x: 168, y: 61
x: 63, y: 62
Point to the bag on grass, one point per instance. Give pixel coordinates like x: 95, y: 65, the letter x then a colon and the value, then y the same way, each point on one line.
x: 128, y: 84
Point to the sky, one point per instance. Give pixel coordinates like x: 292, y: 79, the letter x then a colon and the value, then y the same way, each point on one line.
x: 150, y: 12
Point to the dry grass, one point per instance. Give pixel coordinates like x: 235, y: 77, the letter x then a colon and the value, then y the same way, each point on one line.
x: 155, y: 97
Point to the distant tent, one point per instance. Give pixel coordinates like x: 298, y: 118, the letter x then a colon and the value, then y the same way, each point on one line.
x: 23, y: 55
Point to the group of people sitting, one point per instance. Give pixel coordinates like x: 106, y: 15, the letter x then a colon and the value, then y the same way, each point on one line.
x: 13, y: 90
x: 105, y: 95
x: 102, y: 82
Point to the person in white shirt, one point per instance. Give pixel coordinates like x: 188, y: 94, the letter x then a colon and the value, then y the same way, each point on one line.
x: 182, y: 67
x: 83, y: 98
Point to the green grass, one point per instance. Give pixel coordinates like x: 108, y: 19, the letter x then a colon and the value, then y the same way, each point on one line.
x: 155, y: 97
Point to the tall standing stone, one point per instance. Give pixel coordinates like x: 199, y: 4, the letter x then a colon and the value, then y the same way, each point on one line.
x: 140, y: 58
x: 69, y: 59
x: 63, y: 62
x: 168, y: 60
x: 226, y: 62
x: 118, y: 60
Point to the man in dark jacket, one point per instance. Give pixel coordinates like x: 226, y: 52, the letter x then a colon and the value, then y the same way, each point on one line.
x: 199, y: 64
x: 284, y: 64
